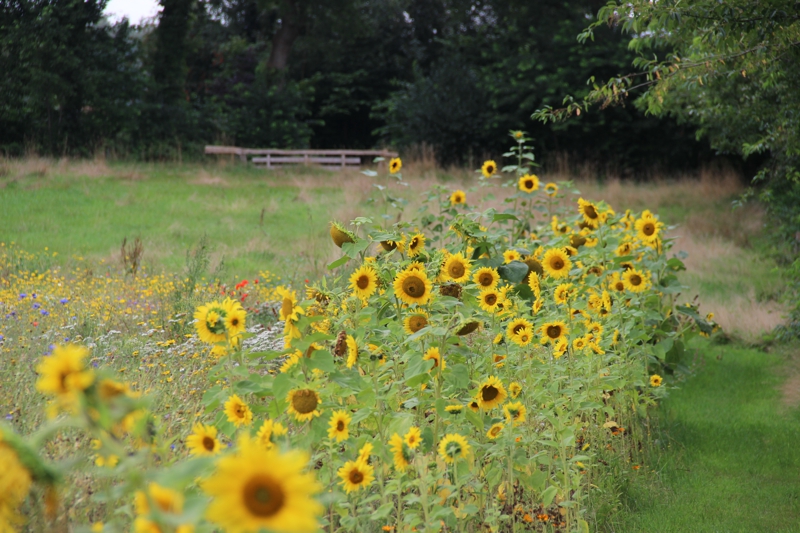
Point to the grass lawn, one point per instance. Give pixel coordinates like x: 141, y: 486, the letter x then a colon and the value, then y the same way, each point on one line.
x: 731, y: 463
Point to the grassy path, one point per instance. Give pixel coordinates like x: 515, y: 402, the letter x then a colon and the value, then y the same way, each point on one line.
x: 733, y: 462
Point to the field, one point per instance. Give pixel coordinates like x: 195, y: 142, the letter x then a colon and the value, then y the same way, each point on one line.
x: 219, y: 230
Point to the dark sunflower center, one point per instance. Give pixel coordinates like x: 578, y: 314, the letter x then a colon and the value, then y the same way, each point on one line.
x: 490, y: 299
x: 635, y: 280
x: 486, y: 279
x: 208, y: 443
x: 554, y: 332
x: 286, y: 307
x: 305, y: 401
x: 590, y: 211
x: 263, y: 496
x: 62, y: 380
x: 489, y: 393
x: 456, y: 270
x: 356, y: 476
x: 648, y: 229
x: 414, y: 243
x: 389, y: 245
x: 240, y: 411
x: 363, y: 282
x: 524, y: 337
x: 340, y: 425
x: 529, y: 184
x: 517, y: 328
x: 435, y: 360
x: 413, y: 286
x: 619, y: 286
x: 234, y: 322
x: 496, y: 431
x: 556, y: 263
x: 417, y: 323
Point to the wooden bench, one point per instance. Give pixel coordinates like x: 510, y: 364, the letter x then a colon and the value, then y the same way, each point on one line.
x: 270, y: 158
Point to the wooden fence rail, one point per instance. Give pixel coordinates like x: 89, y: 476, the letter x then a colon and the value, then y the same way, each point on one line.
x: 271, y: 157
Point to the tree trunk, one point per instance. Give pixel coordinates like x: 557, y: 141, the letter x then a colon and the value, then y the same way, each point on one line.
x: 292, y: 26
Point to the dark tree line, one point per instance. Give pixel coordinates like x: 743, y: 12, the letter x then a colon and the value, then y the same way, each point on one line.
x: 456, y: 75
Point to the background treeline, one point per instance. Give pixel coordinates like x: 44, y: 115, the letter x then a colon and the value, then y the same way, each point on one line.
x: 455, y: 75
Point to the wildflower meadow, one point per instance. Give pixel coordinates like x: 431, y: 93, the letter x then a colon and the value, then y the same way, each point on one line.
x: 464, y: 368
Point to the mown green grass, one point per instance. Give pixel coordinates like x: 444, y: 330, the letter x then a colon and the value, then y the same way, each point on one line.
x: 731, y: 462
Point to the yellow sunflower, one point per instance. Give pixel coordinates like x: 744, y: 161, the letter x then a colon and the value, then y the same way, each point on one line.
x: 413, y: 437
x: 589, y: 211
x: 474, y: 406
x: 365, y: 452
x: 203, y: 441
x: 395, y: 165
x: 401, y: 455
x: 352, y: 351
x: 433, y: 355
x: 579, y: 344
x: 490, y: 300
x: 516, y: 325
x: 647, y: 229
x: 454, y: 409
x: 529, y: 183
x: 635, y: 280
x: 15, y: 484
x: 515, y: 412
x: 514, y: 389
x: 458, y: 197
x: 616, y: 283
x: 291, y: 360
x: 553, y: 331
x: 453, y: 446
x: 338, y: 427
x: 416, y: 245
x: 412, y: 286
x: 239, y: 413
x: 456, y: 268
x: 255, y: 489
x: 210, y: 322
x: 511, y: 255
x: 491, y: 393
x: 234, y: 318
x: 656, y: 380
x: 303, y: 404
x: 364, y: 282
x: 355, y: 475
x: 556, y: 263
x: 340, y: 234
x: 486, y: 277
x: 290, y: 311
x: 63, y: 374
x: 268, y: 430
x: 522, y: 337
x: 495, y: 430
x: 414, y: 323
x: 624, y: 249
x: 551, y: 189
x: 563, y: 293
x: 537, y: 306
x: 489, y: 168
x: 534, y: 282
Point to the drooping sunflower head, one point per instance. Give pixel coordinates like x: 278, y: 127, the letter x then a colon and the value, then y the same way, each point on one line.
x: 416, y: 244
x: 415, y: 322
x: 303, y: 404
x: 238, y: 412
x: 489, y: 168
x: 395, y: 165
x: 340, y: 234
x: 551, y: 189
x: 495, y: 430
x: 412, y: 286
x: 529, y: 183
x: 469, y: 327
x: 203, y: 441
x: 486, y: 277
x: 556, y: 263
x: 457, y: 268
x: 491, y: 393
x: 338, y: 427
x: 534, y: 268
x: 355, y: 475
x: 364, y: 282
x: 458, y: 197
x: 352, y: 351
x: 452, y: 447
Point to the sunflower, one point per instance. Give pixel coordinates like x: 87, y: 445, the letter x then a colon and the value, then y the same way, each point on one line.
x: 529, y: 183
x: 340, y: 234
x: 164, y: 499
x: 63, y: 374
x: 516, y: 325
x: 414, y: 323
x: 491, y: 393
x: 534, y: 282
x: 486, y: 277
x: 338, y: 426
x: 616, y: 282
x: 15, y: 483
x: 416, y: 244
x: 489, y: 168
x: 553, y: 331
x: 559, y: 227
x: 495, y: 430
x: 589, y: 211
x: 563, y: 293
x: 255, y: 489
x: 624, y: 249
x: 515, y: 412
x: 551, y: 189
x: 239, y: 413
x: 635, y: 280
x: 498, y: 360
x: 203, y: 441
x: 458, y: 197
x: 412, y: 286
x: 355, y: 475
x: 365, y: 452
x: 511, y: 255
x: 522, y: 337
x: 537, y: 306
x: 454, y: 409
x: 453, y: 446
x: 474, y: 406
x: 514, y: 389
x: 395, y: 165
x: 656, y: 380
x: 364, y: 282
x: 234, y: 318
x: 303, y: 404
x: 290, y: 311
x: 433, y: 355
x: 647, y: 229
x: 352, y: 351
x: 579, y: 344
x: 413, y: 437
x: 401, y: 455
x: 456, y: 268
x: 291, y: 360
x: 269, y: 429
x: 210, y: 322
x: 490, y: 300
x: 556, y: 263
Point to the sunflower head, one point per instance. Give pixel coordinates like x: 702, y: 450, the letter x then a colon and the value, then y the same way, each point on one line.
x: 303, y: 404
x: 203, y: 441
x: 395, y: 165
x: 515, y: 412
x: 457, y: 268
x: 551, y: 189
x: 469, y: 327
x: 414, y: 323
x: 412, y: 286
x: 656, y: 380
x: 364, y: 282
x: 388, y: 245
x: 556, y: 263
x: 489, y: 168
x: 239, y: 413
x: 433, y: 354
x: 458, y: 197
x: 452, y: 447
x: 491, y: 393
x: 515, y: 389
x: 486, y: 277
x: 511, y: 255
x: 528, y: 183
x: 495, y: 430
x: 355, y: 475
x: 416, y: 244
x: 338, y: 427
x: 340, y: 234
